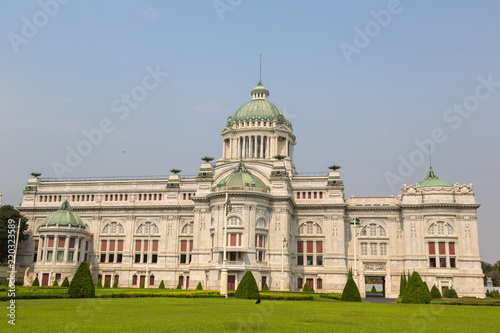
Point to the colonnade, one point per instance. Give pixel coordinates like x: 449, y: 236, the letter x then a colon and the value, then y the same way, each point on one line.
x: 256, y: 146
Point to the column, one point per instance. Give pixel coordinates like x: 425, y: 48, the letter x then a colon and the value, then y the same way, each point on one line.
x: 45, y: 241
x: 286, y: 147
x: 66, y: 248
x: 39, y: 251
x: 54, y: 249
x: 244, y: 147
x: 276, y: 145
x: 268, y: 146
x: 81, y: 242
x: 231, y: 148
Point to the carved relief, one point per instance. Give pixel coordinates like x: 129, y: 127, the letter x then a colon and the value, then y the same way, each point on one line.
x: 169, y: 225
x: 413, y: 229
x: 374, y: 266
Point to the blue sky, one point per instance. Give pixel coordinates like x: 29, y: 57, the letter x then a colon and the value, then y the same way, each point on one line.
x: 364, y: 111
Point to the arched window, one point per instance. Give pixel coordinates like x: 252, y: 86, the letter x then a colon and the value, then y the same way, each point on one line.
x: 310, y: 228
x: 373, y: 240
x: 113, y: 228
x: 188, y: 229
x: 261, y: 223
x: 148, y: 228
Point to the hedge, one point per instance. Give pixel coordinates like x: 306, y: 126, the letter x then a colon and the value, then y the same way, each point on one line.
x: 337, y: 296
x: 183, y: 294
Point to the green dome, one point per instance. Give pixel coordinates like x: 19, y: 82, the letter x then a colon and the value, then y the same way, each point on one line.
x: 241, y: 177
x: 259, y: 108
x: 432, y: 180
x: 64, y: 216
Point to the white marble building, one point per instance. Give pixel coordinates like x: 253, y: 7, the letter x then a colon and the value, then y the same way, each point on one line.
x: 171, y: 229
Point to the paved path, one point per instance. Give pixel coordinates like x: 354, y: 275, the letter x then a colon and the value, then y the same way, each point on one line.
x: 379, y: 299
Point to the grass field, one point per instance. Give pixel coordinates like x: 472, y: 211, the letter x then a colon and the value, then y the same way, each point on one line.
x: 222, y: 315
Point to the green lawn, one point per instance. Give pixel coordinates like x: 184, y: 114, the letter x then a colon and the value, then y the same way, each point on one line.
x: 220, y: 315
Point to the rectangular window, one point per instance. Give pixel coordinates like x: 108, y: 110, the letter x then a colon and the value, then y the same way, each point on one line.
x: 319, y: 283
x: 373, y: 249
x: 72, y: 243
x: 319, y: 246
x: 104, y: 245
x: 190, y: 246
x: 310, y: 260
x: 233, y: 239
x: 51, y: 242
x: 299, y: 283
x: 364, y: 249
x: 300, y: 247
x: 134, y: 280
x: 119, y: 257
x: 61, y: 242
x: 146, y: 244
x: 452, y: 249
x: 383, y: 249
x: 60, y: 255
x: 70, y: 255
x: 183, y: 245
x: 300, y: 261
x: 103, y: 257
x: 49, y: 255
x: 155, y: 246
x: 137, y: 258
x: 452, y: 262
x: 111, y: 245
x: 145, y: 258
x: 260, y: 255
x: 111, y: 258
x: 152, y: 279
x: 442, y: 248
x: 319, y: 260
x: 138, y: 246
x: 183, y: 258
x: 432, y: 248
x: 35, y: 255
x: 309, y: 246
x: 154, y: 259
x: 36, y: 245
x: 120, y: 245
x: 442, y: 262
x: 432, y: 262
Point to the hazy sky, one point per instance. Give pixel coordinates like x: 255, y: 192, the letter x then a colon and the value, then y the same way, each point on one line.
x: 367, y: 85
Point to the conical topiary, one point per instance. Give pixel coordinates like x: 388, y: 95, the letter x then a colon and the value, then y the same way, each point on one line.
x: 35, y: 283
x: 106, y: 284
x: 416, y: 291
x: 306, y: 288
x: 247, y: 288
x: 65, y: 282
x: 435, y: 292
x: 81, y: 285
x: 446, y: 292
x: 115, y: 284
x: 266, y: 288
x: 143, y: 284
x: 374, y: 290
x: 55, y: 284
x: 179, y: 286
x: 199, y: 287
x: 98, y: 285
x: 453, y: 293
x: 402, y: 284
x: 162, y: 285
x: 351, y: 291
x: 5, y: 282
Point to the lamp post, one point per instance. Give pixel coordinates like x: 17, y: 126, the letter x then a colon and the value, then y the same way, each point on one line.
x: 355, y: 223
x: 282, y: 282
x: 223, y: 272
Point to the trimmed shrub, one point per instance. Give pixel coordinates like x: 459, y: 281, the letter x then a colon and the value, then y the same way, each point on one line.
x: 452, y: 293
x: 337, y: 296
x: 495, y: 294
x: 429, y: 296
x: 143, y: 284
x: 416, y: 291
x: 35, y: 283
x: 162, y: 285
x: 247, y: 288
x: 265, y: 288
x: 446, y: 292
x: 374, y: 290
x: 402, y: 284
x: 435, y: 292
x: 98, y: 285
x: 306, y: 288
x: 65, y: 282
x: 81, y: 285
x: 115, y: 284
x: 5, y: 282
x: 351, y: 291
x: 199, y: 287
x: 312, y: 290
x: 55, y: 284
x: 179, y: 286
x: 106, y: 284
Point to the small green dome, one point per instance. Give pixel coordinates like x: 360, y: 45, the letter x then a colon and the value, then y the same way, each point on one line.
x: 432, y: 180
x: 259, y: 108
x: 64, y: 216
x: 241, y: 177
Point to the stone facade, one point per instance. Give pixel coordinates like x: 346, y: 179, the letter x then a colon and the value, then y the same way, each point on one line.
x: 172, y: 229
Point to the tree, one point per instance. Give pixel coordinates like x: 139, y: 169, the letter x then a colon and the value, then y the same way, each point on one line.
x: 402, y: 284
x: 179, y: 286
x: 446, y: 292
x: 55, y: 284
x: 416, y: 291
x: 82, y: 285
x: 7, y: 213
x: 115, y: 284
x: 35, y: 283
x: 162, y: 285
x: 306, y: 288
x: 452, y: 293
x: 351, y: 291
x: 199, y: 287
x: 65, y: 282
x: 435, y: 292
x: 265, y: 288
x: 143, y: 284
x: 106, y: 284
x: 98, y: 285
x: 247, y: 288
x: 374, y: 290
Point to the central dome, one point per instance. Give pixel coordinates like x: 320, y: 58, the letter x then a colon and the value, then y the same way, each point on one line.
x: 259, y: 108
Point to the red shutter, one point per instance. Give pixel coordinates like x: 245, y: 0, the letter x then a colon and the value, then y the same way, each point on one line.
x: 43, y: 241
x: 309, y: 246
x: 261, y: 241
x: 103, y: 245
x: 61, y: 242
x: 36, y: 245
x: 51, y: 242
x: 442, y: 248
x: 432, y: 248
x: 300, y: 247
x: 239, y: 240
x: 72, y: 243
x: 190, y: 246
x: 120, y: 245
x: 233, y: 239
x: 155, y: 246
x: 452, y: 248
x: 138, y: 246
x: 111, y: 245
x: 183, y: 245
x: 319, y: 246
x: 146, y: 244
